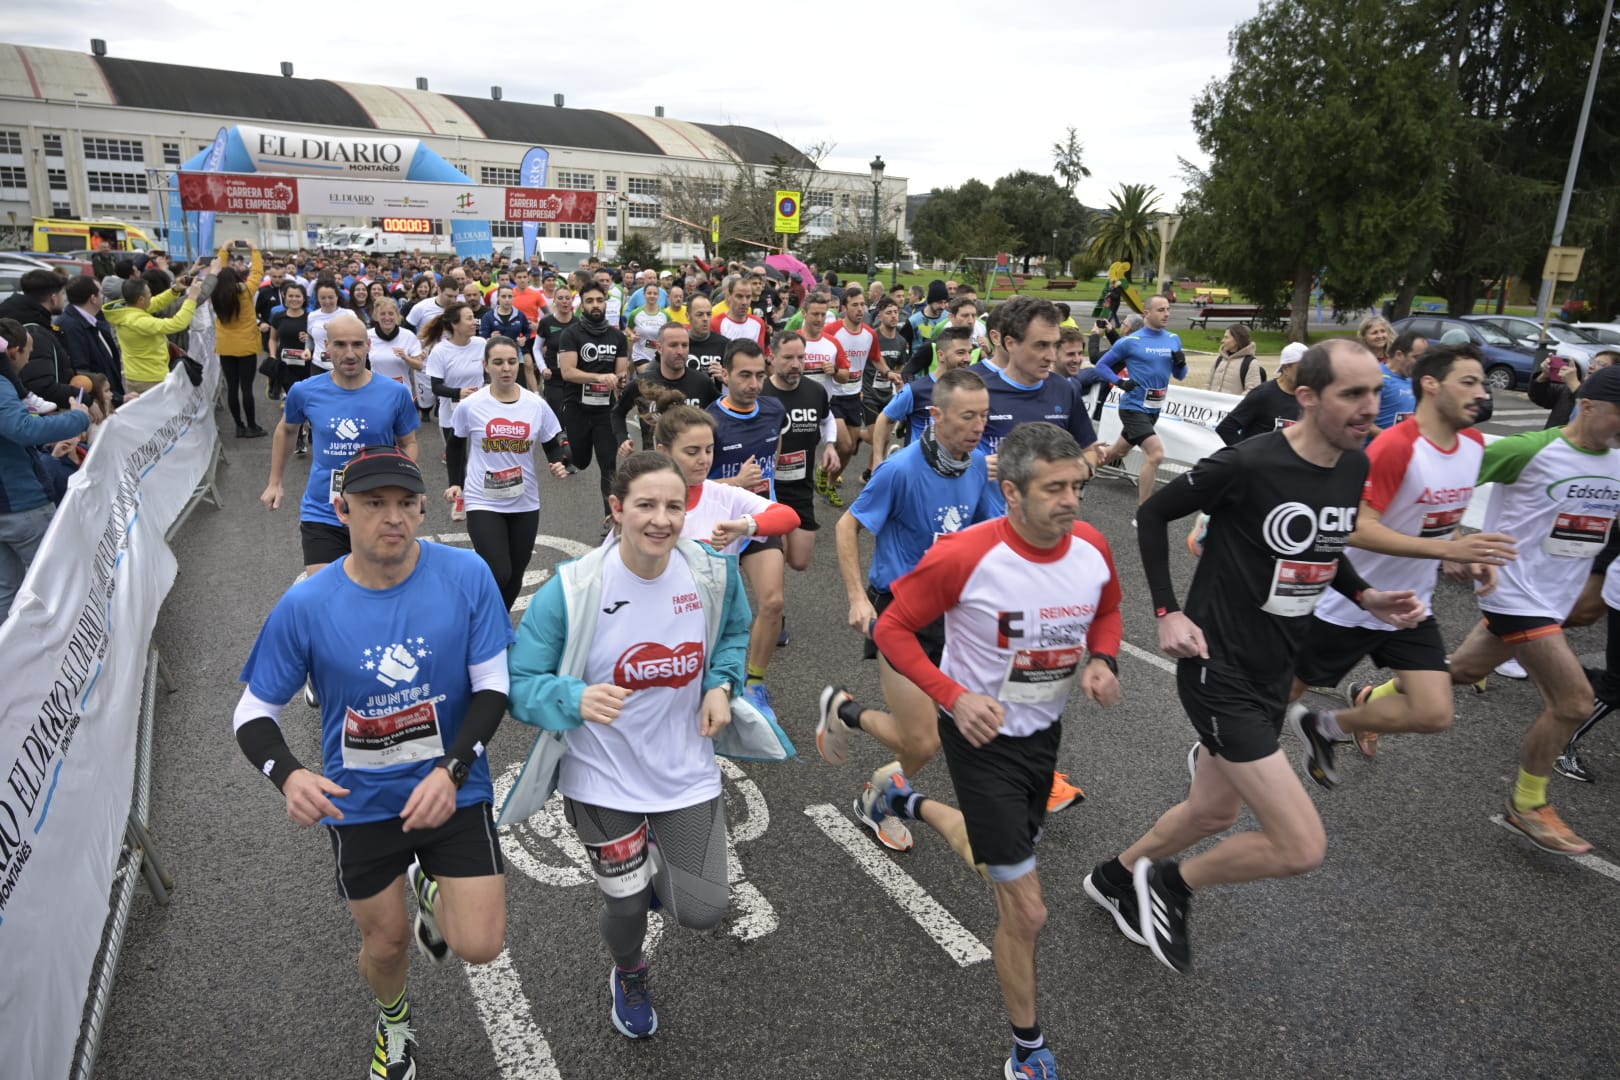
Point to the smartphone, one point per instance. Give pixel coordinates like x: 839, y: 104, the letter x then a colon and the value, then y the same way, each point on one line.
x: 1555, y: 368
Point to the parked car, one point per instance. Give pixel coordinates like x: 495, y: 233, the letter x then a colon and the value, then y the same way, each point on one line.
x: 1606, y: 332
x: 1507, y: 364
x: 1565, y: 341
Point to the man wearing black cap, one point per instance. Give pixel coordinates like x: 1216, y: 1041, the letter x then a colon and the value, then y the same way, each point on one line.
x: 931, y: 316
x: 1559, y: 495
x: 405, y: 644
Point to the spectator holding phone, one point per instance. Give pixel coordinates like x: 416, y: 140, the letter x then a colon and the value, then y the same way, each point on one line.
x: 1555, y: 381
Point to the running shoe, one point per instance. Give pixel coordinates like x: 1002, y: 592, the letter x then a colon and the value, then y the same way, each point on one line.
x: 633, y: 1013
x: 429, y: 941
x: 309, y: 695
x: 393, y: 1055
x: 1040, y: 1065
x: 1512, y: 669
x: 782, y: 639
x: 832, y: 734
x: 1317, y: 748
x: 872, y: 808
x: 1569, y: 764
x: 1192, y: 762
x: 301, y: 447
x: 1195, y: 539
x: 458, y: 512
x: 760, y: 698
x: 1366, y: 741
x: 1120, y: 903
x: 1545, y: 829
x: 1163, y: 912
x: 1063, y: 794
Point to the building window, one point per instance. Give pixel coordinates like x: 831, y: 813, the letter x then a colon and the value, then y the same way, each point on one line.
x: 576, y: 181
x: 541, y: 230
x: 506, y: 230
x: 499, y: 176
x: 613, y: 234
x: 13, y: 182
x: 643, y: 185
x: 283, y: 223
x: 56, y: 179
x: 570, y: 231
x: 819, y: 200
x: 171, y: 153
x: 61, y: 209
x: 113, y: 149
x: 648, y: 213
x: 116, y: 183
x: 52, y: 144
x: 612, y: 181
x: 11, y: 142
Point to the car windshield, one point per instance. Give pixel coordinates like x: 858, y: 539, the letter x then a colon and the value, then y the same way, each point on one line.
x: 1492, y: 335
x: 1569, y: 334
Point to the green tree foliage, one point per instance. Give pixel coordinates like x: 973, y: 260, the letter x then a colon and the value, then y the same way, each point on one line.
x: 1033, y: 206
x: 1325, y: 151
x: 1069, y: 162
x: 638, y: 245
x: 1128, y: 229
x: 847, y: 251
x: 948, y: 225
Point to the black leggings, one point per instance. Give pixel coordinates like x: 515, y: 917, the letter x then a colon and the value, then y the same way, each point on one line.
x: 506, y: 542
x: 239, y: 372
x: 455, y: 457
x: 588, y: 431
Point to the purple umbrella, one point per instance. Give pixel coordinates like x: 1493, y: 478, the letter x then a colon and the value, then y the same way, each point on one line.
x: 792, y: 265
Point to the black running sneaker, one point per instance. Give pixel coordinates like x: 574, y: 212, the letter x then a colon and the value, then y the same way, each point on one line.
x: 1120, y: 903
x: 393, y: 1053
x: 1569, y: 764
x: 428, y: 938
x: 1163, y: 912
x: 1318, y: 749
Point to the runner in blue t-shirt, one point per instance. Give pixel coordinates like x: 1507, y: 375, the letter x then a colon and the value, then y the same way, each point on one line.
x: 749, y: 434
x: 347, y: 408
x: 1397, y: 401
x: 954, y: 348
x: 406, y: 643
x: 1151, y: 356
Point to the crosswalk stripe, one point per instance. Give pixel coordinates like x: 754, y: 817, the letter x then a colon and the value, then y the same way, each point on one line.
x: 1534, y: 422
x: 957, y: 940
x: 1591, y: 862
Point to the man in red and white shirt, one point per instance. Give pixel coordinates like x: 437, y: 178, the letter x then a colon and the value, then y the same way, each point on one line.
x: 1031, y: 609
x: 823, y: 357
x: 1420, y: 478
x: 860, y: 346
x: 738, y: 322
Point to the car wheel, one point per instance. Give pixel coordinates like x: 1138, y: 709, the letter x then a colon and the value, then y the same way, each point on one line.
x: 1501, y: 377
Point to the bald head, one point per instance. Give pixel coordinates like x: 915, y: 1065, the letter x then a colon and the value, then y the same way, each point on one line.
x: 347, y: 346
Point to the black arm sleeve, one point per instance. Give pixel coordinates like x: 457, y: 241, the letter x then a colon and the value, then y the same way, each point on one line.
x: 1348, y: 583
x: 261, y: 740
x: 1192, y: 492
x: 1231, y: 429
x: 441, y: 390
x: 920, y: 360
x: 483, y: 717
x: 621, y: 410
x: 554, y: 450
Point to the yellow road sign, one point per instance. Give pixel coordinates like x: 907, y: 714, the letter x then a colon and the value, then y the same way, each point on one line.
x: 714, y: 230
x: 787, y: 211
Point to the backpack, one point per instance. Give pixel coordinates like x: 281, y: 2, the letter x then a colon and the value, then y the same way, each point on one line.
x: 1243, y: 372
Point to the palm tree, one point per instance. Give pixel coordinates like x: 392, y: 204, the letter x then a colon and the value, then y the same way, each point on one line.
x: 1126, y: 230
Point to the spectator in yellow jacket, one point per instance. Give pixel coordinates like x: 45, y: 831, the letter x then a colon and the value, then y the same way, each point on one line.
x: 143, y: 337
x: 237, y: 341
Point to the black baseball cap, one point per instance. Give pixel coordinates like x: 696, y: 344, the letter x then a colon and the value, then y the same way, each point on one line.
x: 381, y: 466
x: 1601, y: 386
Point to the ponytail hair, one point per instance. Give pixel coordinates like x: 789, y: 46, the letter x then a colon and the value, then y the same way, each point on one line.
x: 675, y: 417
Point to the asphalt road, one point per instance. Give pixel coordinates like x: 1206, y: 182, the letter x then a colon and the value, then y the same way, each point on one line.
x: 1432, y: 943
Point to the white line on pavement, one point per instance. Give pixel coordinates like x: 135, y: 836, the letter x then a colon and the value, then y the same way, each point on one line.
x: 1533, y: 422
x: 957, y: 941
x: 521, y: 1051
x: 1155, y: 659
x: 1591, y: 862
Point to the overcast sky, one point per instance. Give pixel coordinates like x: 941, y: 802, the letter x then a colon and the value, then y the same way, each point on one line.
x: 975, y: 89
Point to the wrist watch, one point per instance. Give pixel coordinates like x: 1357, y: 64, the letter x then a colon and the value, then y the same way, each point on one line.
x: 457, y: 769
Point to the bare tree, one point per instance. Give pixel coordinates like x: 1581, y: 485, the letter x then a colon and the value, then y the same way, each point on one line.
x: 691, y: 197
x: 750, y: 214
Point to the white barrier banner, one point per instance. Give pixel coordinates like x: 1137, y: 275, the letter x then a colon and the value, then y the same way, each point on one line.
x: 75, y: 655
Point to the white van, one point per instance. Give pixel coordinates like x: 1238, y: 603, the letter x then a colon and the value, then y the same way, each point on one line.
x: 566, y: 255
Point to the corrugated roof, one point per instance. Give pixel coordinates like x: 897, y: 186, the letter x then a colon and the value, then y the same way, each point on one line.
x: 755, y: 146
x: 541, y: 125
x: 143, y: 84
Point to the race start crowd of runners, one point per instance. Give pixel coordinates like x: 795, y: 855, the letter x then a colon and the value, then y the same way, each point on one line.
x: 989, y: 604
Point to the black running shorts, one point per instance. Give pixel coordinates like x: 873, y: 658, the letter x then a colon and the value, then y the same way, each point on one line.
x: 323, y: 543
x: 1137, y: 427
x: 930, y: 637
x: 847, y: 407
x: 1002, y: 789
x: 1518, y: 629
x: 1236, y: 718
x: 1329, y: 650
x: 759, y: 544
x: 800, y: 495
x: 372, y: 856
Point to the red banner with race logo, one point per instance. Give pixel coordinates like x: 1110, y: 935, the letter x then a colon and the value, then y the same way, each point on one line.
x: 238, y: 193
x: 543, y: 204
x: 248, y: 193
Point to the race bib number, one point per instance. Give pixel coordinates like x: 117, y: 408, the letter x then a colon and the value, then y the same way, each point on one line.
x: 1296, y: 585
x: 815, y: 365
x: 334, y: 487
x: 597, y: 393
x: 1153, y: 399
x: 504, y: 483
x: 1284, y: 423
x: 790, y: 465
x: 1577, y: 536
x: 622, y: 866
x: 295, y: 357
x: 1036, y: 676
x: 1440, y: 523
x: 376, y: 742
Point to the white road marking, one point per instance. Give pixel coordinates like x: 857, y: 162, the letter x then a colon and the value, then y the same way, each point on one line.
x: 1160, y: 662
x: 1591, y: 862
x: 957, y: 941
x: 521, y: 1051
x: 1540, y: 421
x: 754, y: 916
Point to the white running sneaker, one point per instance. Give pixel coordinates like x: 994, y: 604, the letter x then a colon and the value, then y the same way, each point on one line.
x: 1512, y: 669
x: 832, y: 734
x: 890, y: 830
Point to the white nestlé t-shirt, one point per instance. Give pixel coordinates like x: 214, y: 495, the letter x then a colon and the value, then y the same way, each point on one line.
x: 652, y: 757
x: 501, y: 437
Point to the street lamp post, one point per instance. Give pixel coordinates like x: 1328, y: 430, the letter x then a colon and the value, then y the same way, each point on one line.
x: 899, y: 224
x: 877, y: 208
x: 1057, y: 263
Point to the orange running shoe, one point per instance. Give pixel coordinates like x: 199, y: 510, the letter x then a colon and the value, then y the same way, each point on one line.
x: 1064, y: 794
x: 1545, y: 829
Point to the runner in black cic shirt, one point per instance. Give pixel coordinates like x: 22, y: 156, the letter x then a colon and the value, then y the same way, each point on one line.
x: 594, y: 363
x: 1281, y: 507
x: 655, y: 382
